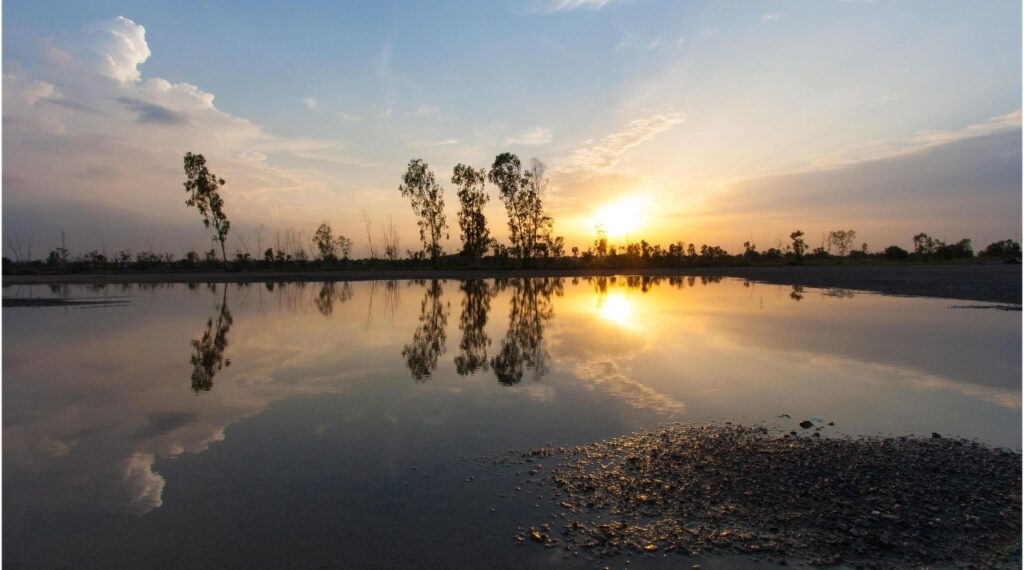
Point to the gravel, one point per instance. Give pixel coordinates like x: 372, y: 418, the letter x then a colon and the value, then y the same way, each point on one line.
x: 695, y: 490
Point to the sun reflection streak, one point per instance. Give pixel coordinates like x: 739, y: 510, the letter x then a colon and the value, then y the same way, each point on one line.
x: 616, y: 307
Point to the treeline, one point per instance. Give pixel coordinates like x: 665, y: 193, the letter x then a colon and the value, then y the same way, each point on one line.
x: 530, y: 229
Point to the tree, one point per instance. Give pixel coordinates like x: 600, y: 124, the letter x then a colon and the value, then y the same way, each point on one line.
x: 390, y: 235
x: 202, y: 186
x: 601, y: 243
x: 472, y: 198
x: 1006, y: 249
x: 323, y: 239
x: 924, y: 244
x: 842, y: 241
x: 328, y: 246
x: 799, y: 245
x: 522, y: 193
x: 425, y: 196
x: 896, y: 253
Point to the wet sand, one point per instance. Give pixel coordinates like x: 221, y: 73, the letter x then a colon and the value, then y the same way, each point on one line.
x: 990, y: 283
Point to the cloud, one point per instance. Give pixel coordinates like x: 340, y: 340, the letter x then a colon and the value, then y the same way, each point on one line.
x: 570, y: 5
x: 967, y: 185
x: 633, y: 42
x: 346, y: 116
x: 531, y: 137
x: 151, y: 113
x: 120, y: 48
x: 920, y: 141
x: 311, y: 103
x: 424, y: 111
x: 42, y: 127
x: 144, y: 487
x: 606, y: 153
x: 770, y: 17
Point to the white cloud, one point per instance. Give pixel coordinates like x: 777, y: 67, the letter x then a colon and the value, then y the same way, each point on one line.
x: 120, y: 47
x: 424, y: 111
x: 770, y: 17
x: 531, y: 137
x: 346, y: 116
x: 311, y: 103
x: 570, y: 5
x: 606, y: 153
x: 633, y: 42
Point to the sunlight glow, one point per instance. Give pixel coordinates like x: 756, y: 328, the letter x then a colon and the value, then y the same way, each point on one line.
x: 615, y: 307
x: 619, y: 219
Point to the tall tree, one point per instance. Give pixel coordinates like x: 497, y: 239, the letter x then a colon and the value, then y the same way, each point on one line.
x: 425, y: 196
x: 522, y: 192
x: 472, y: 199
x: 202, y: 186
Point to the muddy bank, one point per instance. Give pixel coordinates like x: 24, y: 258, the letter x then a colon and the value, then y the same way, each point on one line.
x: 992, y: 283
x: 695, y: 490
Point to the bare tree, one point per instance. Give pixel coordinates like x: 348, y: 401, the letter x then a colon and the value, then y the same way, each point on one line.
x: 368, y: 224
x: 390, y: 235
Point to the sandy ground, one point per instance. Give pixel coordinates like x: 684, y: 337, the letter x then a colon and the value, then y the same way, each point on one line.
x: 991, y: 283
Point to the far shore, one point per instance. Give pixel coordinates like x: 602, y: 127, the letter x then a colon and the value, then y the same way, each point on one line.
x: 990, y: 283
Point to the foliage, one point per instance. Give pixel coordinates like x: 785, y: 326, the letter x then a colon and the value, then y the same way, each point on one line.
x: 1006, y: 249
x: 472, y: 198
x: 202, y: 187
x: 522, y: 193
x: 425, y: 196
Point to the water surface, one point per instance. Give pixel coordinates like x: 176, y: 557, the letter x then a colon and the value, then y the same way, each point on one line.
x: 341, y: 424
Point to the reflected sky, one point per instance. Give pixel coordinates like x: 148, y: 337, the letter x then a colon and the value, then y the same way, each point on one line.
x: 309, y: 404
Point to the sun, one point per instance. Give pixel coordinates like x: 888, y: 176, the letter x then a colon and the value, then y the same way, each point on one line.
x: 622, y: 218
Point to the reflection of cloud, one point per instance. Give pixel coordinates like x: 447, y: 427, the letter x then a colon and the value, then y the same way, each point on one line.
x: 608, y: 376
x: 144, y: 487
x: 1004, y: 398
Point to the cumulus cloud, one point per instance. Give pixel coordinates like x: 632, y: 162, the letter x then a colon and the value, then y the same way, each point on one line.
x: 120, y: 48
x: 151, y: 113
x: 85, y: 114
x: 531, y: 137
x: 606, y: 153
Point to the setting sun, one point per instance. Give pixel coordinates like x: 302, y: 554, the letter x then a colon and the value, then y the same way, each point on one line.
x: 621, y: 218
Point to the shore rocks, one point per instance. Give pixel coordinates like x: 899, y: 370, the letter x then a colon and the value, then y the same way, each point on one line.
x: 896, y: 502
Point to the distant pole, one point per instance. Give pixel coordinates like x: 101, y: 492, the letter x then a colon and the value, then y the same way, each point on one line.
x: 62, y: 246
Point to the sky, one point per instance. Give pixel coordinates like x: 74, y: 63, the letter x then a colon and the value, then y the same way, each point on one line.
x: 711, y: 122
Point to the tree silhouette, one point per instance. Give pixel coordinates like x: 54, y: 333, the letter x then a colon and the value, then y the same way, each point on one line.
x: 472, y: 199
x: 427, y: 200
x: 428, y: 342
x: 476, y: 304
x: 202, y: 186
x: 208, y: 350
x: 522, y: 193
x: 523, y: 346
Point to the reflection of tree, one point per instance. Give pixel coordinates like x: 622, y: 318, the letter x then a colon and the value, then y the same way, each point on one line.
x: 428, y: 341
x: 331, y: 292
x: 476, y: 304
x: 798, y: 293
x: 523, y: 345
x: 208, y: 351
x: 838, y: 293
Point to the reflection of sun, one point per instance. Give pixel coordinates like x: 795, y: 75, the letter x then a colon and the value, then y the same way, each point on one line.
x: 615, y: 307
x: 620, y: 218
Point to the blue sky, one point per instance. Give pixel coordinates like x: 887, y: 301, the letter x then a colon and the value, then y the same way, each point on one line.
x: 682, y: 107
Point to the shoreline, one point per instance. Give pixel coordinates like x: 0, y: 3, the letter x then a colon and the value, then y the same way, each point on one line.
x: 989, y: 283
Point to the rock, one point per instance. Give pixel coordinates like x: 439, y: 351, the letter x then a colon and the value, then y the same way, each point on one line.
x: 806, y: 424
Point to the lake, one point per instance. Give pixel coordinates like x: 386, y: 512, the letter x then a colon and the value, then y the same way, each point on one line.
x: 352, y: 424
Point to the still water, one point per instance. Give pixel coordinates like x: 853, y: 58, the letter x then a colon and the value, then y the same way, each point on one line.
x: 342, y: 424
